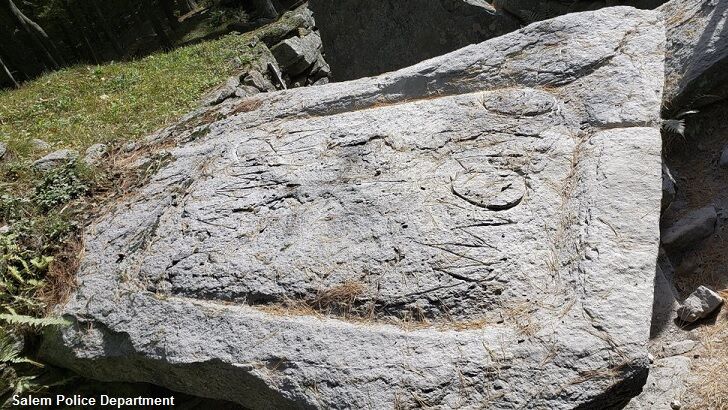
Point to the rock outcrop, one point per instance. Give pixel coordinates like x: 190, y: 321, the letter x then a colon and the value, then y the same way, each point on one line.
x: 55, y: 159
x: 479, y: 229
x: 288, y: 54
x: 697, y: 69
x: 364, y: 39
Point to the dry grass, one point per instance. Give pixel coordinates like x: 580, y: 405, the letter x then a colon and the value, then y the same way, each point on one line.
x: 351, y: 302
x: 340, y: 299
x: 61, y: 277
x: 521, y: 316
x: 710, y: 384
x: 247, y: 105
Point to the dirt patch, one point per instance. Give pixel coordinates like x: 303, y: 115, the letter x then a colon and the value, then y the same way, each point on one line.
x: 694, y: 163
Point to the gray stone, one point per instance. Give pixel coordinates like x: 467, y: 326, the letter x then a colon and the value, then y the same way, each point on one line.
x: 131, y: 146
x: 223, y: 92
x: 55, y: 159
x: 320, y: 69
x: 287, y: 26
x: 94, y: 153
x: 697, y: 69
x: 669, y: 187
x: 361, y: 40
x: 678, y: 347
x: 3, y: 149
x: 263, y: 58
x: 701, y: 303
x: 665, y: 296
x: 255, y: 79
x: 325, y: 247
x: 296, y: 54
x: 40, y: 145
x: 690, y: 229
x: 246, y: 91
x: 665, y: 385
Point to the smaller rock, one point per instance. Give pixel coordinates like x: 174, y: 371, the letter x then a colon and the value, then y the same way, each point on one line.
x: 4, y: 229
x: 699, y: 304
x: 296, y: 54
x: 676, y: 348
x: 675, y: 405
x: 39, y: 144
x: 94, y: 153
x: 222, y: 92
x: 246, y: 91
x: 693, y: 227
x: 319, y: 70
x: 723, y: 161
x: 55, y: 159
x: 255, y: 79
x: 3, y: 149
x: 669, y: 188
x: 131, y: 146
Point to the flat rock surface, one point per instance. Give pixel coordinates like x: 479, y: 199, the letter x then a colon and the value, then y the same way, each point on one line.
x: 480, y: 229
x: 665, y: 385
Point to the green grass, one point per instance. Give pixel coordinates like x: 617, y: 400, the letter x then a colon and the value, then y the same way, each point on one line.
x: 79, y: 106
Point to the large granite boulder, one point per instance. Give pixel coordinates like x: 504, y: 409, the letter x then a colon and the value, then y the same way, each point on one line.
x: 528, y: 11
x: 696, y: 70
x: 480, y: 229
x: 365, y: 38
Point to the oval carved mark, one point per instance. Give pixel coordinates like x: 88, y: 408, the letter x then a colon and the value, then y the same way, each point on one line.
x: 496, y: 191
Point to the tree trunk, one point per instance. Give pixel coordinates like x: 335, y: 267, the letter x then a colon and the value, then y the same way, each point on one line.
x: 22, y: 62
x: 8, y: 73
x: 40, y: 39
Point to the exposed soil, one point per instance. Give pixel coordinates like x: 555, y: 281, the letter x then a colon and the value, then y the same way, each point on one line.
x: 694, y: 163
